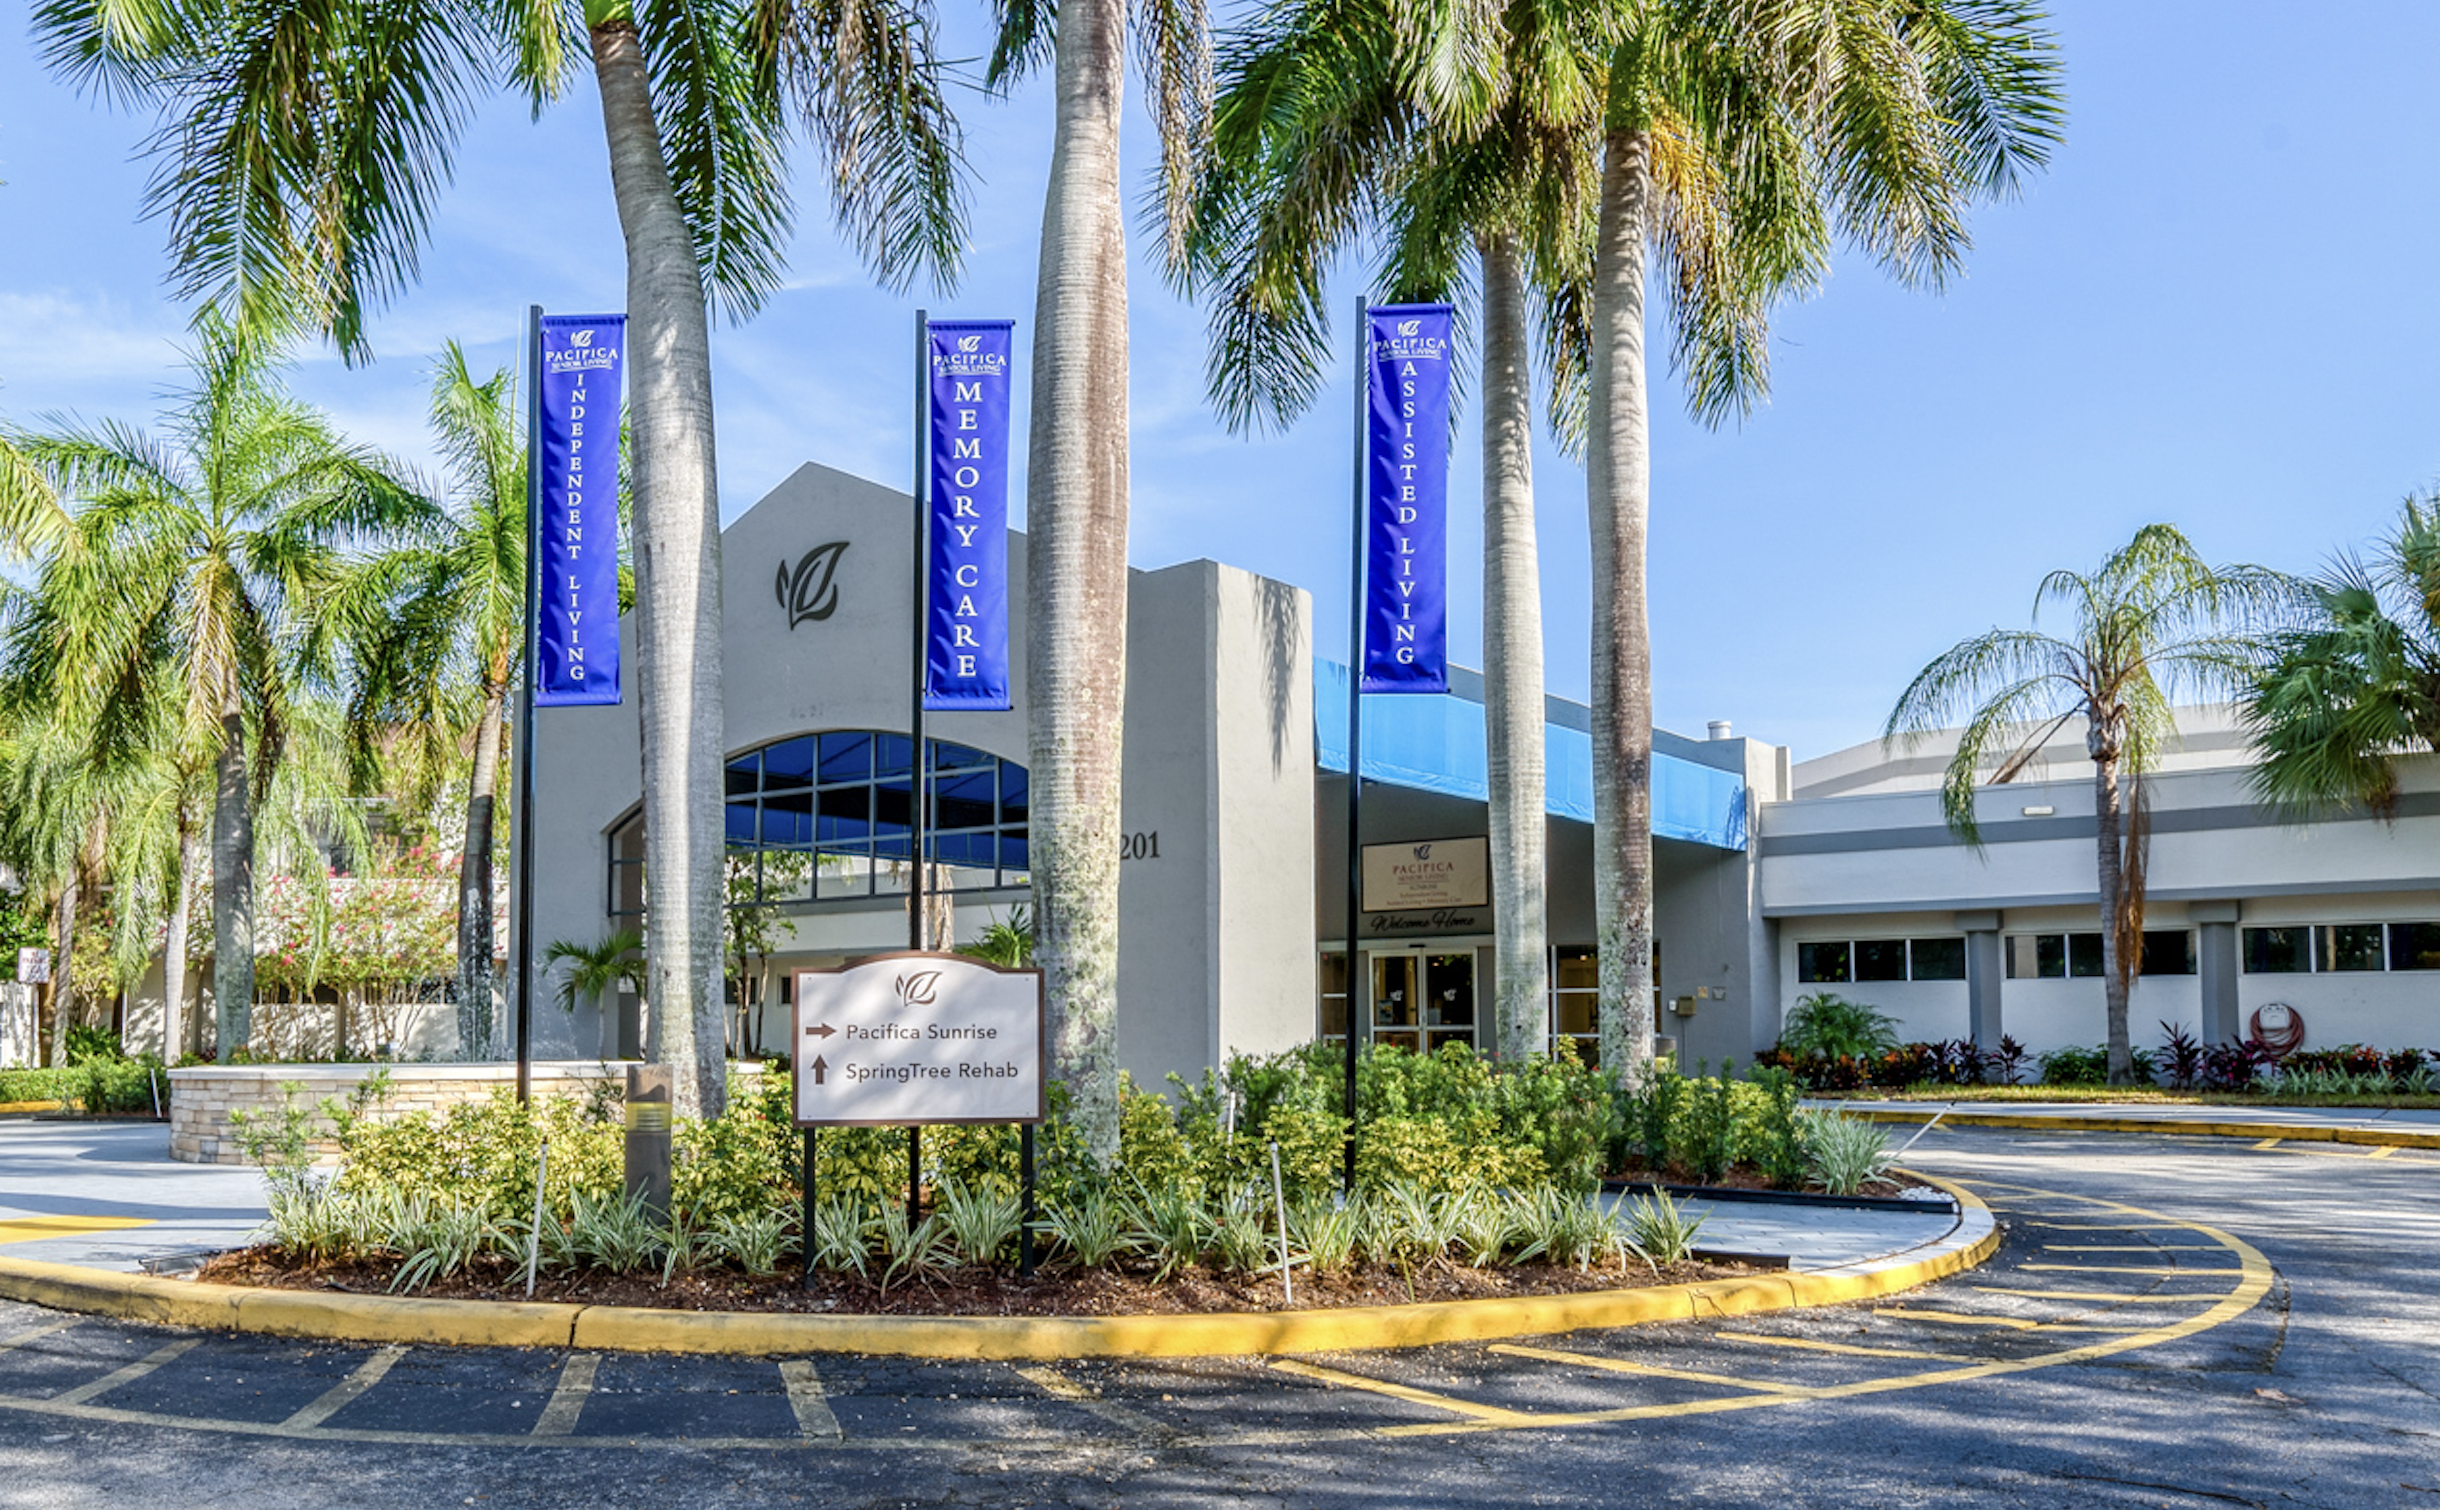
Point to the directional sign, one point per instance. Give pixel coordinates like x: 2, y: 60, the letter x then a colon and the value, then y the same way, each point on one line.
x: 918, y: 1038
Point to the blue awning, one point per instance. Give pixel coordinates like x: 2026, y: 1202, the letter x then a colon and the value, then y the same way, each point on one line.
x: 1435, y: 744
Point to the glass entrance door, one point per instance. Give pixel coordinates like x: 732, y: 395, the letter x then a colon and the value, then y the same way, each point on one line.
x: 1423, y: 999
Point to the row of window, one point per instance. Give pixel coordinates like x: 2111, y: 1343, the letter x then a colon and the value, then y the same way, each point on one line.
x: 2342, y: 947
x: 1837, y: 962
x: 2294, y: 950
x: 829, y: 817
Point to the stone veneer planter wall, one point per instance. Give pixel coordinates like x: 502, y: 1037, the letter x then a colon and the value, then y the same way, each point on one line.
x: 203, y: 1096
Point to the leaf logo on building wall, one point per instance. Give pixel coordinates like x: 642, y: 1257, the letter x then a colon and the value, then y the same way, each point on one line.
x: 1423, y: 851
x: 807, y: 591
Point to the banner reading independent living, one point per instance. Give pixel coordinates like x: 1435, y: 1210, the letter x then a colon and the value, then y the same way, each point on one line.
x: 576, y: 638
x: 966, y: 640
x: 1406, y: 631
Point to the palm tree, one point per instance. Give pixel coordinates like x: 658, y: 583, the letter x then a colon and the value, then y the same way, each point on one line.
x: 2153, y: 622
x: 1735, y: 134
x: 302, y: 148
x: 1076, y: 497
x: 1319, y: 130
x: 439, y: 668
x: 2354, y: 684
x: 198, y: 574
x: 594, y: 969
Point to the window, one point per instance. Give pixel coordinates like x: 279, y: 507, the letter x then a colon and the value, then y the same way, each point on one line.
x: 2276, y: 951
x: 1819, y: 964
x: 2348, y: 947
x: 2169, y: 952
x: 1938, y: 959
x: 1575, y: 993
x: 1880, y: 959
x: 825, y: 817
x: 2414, y: 946
x: 2351, y: 948
x: 1334, y: 996
x: 1839, y: 961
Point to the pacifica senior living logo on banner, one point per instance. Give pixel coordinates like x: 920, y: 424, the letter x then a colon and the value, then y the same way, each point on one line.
x: 576, y: 567
x: 1406, y: 470
x: 966, y: 633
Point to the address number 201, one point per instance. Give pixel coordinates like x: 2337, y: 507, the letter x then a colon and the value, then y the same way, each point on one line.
x: 1143, y: 845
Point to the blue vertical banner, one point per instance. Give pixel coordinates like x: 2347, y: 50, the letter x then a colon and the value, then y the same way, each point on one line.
x: 1406, y: 448
x: 966, y: 634
x: 575, y: 449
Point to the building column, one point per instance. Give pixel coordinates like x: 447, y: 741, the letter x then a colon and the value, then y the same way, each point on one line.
x: 2217, y: 964
x: 1984, y: 974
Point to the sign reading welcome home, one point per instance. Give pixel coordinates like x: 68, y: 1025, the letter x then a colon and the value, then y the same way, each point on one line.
x: 1426, y: 874
x: 918, y: 1038
x: 966, y: 638
x: 1406, y: 484
x: 576, y: 453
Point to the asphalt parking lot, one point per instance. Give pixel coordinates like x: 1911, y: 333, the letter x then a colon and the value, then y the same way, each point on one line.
x: 2169, y: 1322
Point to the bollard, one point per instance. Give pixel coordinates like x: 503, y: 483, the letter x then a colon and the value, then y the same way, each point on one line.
x: 648, y: 1137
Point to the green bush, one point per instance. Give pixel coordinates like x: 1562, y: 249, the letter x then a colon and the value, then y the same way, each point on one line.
x: 18, y: 1086
x: 1826, y: 1025
x: 2074, y: 1066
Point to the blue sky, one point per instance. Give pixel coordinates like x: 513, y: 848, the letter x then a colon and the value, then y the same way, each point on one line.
x: 2215, y: 309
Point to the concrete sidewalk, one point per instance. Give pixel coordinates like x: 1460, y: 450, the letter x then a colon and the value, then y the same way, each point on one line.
x: 108, y: 1196
x: 2408, y: 1127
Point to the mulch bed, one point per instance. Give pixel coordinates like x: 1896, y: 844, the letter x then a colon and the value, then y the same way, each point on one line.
x: 965, y: 1292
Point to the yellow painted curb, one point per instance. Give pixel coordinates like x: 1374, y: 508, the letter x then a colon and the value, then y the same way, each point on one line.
x: 2186, y: 1127
x: 370, y: 1318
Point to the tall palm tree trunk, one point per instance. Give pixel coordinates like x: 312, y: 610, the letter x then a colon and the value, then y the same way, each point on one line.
x: 1076, y: 595
x: 475, y: 1028
x: 232, y: 893
x: 677, y: 582
x: 1618, y: 488
x: 1512, y: 664
x: 2109, y: 831
x: 175, y: 1030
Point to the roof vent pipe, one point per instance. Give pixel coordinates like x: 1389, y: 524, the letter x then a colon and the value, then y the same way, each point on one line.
x: 1717, y: 728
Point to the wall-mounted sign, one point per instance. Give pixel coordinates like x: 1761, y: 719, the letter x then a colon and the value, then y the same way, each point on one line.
x: 918, y: 1038
x: 33, y: 965
x: 1421, y: 875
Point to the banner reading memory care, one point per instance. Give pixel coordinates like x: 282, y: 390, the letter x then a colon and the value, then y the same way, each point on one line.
x: 1406, y: 443
x: 966, y: 640
x: 576, y: 448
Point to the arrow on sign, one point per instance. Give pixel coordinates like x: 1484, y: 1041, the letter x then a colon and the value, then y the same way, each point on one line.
x: 820, y: 1030
x: 819, y: 1065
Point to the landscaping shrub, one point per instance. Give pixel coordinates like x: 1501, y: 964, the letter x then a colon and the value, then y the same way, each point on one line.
x: 1827, y: 1026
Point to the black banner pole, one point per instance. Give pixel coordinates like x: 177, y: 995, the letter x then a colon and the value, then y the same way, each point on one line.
x: 916, y: 792
x: 808, y: 1186
x: 1025, y: 1231
x: 1355, y: 757
x: 523, y: 930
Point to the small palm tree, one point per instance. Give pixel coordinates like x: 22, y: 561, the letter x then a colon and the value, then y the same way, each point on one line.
x: 2355, y: 683
x: 2154, y: 622
x: 616, y: 960
x: 1007, y: 942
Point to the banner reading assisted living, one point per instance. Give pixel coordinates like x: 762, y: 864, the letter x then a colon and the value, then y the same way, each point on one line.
x: 576, y: 570
x: 1406, y: 631
x: 966, y: 634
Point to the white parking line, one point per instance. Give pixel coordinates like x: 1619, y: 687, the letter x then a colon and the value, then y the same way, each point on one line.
x: 336, y: 1398
x: 568, y: 1399
x: 808, y: 1399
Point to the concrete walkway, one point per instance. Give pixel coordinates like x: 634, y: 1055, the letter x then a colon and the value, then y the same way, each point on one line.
x: 108, y: 1196
x: 2412, y: 1121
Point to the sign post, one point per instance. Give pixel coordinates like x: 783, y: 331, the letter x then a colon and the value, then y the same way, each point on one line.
x: 918, y: 1039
